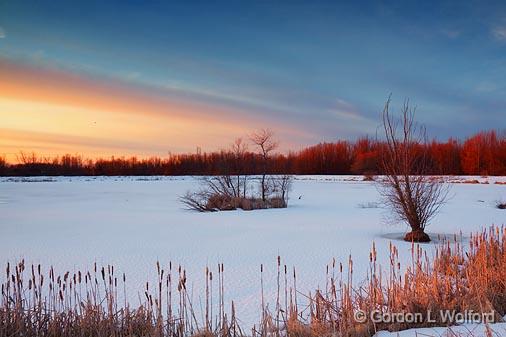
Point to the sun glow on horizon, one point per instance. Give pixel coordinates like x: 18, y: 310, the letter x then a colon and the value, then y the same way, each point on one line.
x: 53, y: 113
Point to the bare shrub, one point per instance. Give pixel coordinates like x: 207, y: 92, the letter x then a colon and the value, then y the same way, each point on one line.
x: 231, y: 189
x: 277, y: 202
x: 196, y: 201
x: 220, y: 202
x: 217, y: 193
x: 239, y: 149
x: 246, y: 204
x: 412, y: 196
x: 501, y: 204
x: 221, y: 185
x: 281, y: 187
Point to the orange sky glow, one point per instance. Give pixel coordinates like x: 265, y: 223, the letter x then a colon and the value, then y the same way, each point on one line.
x: 53, y: 112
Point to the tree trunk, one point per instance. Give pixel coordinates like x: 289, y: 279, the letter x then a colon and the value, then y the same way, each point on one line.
x: 263, y: 187
x: 417, y: 235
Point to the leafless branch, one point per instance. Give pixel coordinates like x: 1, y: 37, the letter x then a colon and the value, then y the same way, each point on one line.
x: 412, y: 195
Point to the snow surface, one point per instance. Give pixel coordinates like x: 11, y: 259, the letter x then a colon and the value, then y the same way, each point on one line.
x: 131, y: 222
x: 465, y: 330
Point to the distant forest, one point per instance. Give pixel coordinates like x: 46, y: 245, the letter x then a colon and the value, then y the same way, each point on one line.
x: 482, y: 154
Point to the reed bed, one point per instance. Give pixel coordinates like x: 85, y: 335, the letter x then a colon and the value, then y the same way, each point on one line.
x: 37, y: 302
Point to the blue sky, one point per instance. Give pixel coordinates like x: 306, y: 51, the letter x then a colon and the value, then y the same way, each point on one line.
x: 323, y: 67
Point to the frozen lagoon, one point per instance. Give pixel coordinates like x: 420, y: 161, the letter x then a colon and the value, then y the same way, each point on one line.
x: 132, y: 222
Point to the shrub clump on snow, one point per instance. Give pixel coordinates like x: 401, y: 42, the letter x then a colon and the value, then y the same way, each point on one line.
x: 233, y: 189
x: 224, y: 194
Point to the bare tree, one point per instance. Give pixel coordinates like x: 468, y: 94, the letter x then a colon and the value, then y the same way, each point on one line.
x: 412, y: 195
x: 239, y: 148
x: 264, y: 140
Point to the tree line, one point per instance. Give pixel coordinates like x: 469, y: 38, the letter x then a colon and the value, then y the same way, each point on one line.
x: 481, y: 154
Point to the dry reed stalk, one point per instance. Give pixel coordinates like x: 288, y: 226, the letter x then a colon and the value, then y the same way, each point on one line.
x: 38, y: 303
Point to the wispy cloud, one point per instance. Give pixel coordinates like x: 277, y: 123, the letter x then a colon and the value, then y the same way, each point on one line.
x: 345, y: 113
x: 346, y: 110
x: 3, y: 34
x: 95, y: 109
x: 499, y: 33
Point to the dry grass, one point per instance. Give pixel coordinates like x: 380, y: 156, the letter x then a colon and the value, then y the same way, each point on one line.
x: 39, y: 303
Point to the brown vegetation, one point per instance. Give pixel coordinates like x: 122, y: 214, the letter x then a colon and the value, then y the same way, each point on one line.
x: 216, y: 195
x: 35, y: 302
x: 481, y: 154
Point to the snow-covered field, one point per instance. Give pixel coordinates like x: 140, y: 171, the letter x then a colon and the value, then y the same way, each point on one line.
x: 132, y: 222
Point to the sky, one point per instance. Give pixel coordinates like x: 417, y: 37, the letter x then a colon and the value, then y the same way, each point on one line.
x: 148, y: 78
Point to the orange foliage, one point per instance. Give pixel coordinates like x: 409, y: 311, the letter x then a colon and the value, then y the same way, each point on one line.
x: 481, y: 154
x: 484, y: 154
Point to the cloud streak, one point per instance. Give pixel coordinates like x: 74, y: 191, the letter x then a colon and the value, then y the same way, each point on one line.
x: 66, y: 111
x: 499, y: 33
